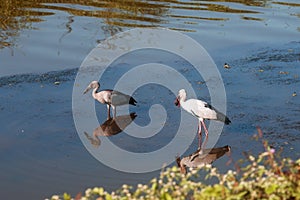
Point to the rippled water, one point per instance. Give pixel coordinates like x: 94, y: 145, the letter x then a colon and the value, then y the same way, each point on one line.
x: 43, y: 42
x: 38, y: 36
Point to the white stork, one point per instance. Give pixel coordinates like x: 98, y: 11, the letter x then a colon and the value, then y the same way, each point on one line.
x: 111, y: 98
x: 201, y: 110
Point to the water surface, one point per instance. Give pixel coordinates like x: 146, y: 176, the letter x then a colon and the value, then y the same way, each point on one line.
x: 43, y: 42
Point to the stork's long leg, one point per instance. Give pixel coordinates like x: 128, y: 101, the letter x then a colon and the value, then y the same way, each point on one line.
x: 205, y: 129
x: 199, y: 135
x: 115, y: 111
x: 108, y: 111
x: 204, y: 143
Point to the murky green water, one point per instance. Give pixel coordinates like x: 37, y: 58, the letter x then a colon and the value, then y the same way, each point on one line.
x: 40, y: 151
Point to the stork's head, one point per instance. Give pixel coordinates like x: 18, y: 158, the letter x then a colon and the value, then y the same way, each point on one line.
x: 180, y: 97
x: 92, y: 85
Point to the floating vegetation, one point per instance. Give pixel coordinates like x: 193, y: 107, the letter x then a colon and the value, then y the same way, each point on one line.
x: 274, y: 65
x: 55, y: 77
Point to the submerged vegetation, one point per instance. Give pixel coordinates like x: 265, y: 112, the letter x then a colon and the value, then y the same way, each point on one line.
x: 266, y: 176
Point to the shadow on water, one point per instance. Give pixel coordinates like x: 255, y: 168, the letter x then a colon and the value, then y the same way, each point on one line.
x: 116, y: 15
x: 110, y: 127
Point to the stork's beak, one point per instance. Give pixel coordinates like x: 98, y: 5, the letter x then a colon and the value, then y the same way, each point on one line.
x: 177, y: 102
x: 87, y: 89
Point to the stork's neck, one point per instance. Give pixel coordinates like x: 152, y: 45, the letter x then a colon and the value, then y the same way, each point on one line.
x: 95, y: 92
x: 182, y: 102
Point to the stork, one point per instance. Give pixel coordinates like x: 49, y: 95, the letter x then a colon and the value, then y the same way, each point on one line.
x: 111, y: 98
x: 201, y: 110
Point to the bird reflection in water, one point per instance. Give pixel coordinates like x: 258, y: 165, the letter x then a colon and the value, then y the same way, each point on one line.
x: 201, y: 157
x: 111, y: 126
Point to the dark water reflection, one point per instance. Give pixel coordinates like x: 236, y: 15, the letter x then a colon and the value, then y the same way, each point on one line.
x: 117, y: 15
x: 201, y: 157
x: 110, y: 127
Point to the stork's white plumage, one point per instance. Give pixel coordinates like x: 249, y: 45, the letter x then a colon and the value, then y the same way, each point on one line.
x: 201, y: 110
x: 111, y: 98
